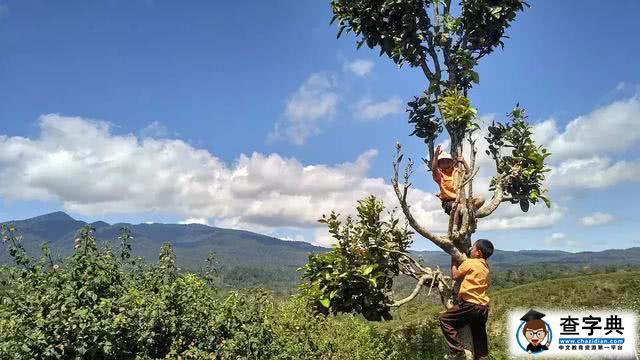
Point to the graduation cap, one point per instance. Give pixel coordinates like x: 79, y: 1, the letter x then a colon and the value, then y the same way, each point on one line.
x: 532, y: 315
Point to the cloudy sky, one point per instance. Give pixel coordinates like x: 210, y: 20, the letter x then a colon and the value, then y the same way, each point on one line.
x: 254, y: 116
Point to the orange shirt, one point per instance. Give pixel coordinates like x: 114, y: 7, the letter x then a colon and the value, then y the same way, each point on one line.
x: 447, y: 183
x: 476, y: 281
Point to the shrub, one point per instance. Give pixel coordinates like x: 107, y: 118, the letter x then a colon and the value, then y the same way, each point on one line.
x: 99, y: 305
x: 356, y: 276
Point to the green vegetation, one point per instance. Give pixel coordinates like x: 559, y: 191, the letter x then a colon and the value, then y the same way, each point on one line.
x: 106, y: 304
x: 357, y: 274
x: 101, y: 304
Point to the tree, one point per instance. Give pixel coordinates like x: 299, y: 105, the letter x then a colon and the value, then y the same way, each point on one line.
x: 447, y: 42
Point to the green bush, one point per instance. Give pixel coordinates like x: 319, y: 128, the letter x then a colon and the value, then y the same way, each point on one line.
x: 357, y: 275
x: 99, y: 305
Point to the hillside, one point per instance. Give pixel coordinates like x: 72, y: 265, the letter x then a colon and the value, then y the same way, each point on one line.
x: 248, y: 259
x: 508, y: 259
x: 191, y: 242
x: 620, y: 290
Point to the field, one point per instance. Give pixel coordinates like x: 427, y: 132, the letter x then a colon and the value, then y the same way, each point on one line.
x: 616, y: 290
x: 101, y: 305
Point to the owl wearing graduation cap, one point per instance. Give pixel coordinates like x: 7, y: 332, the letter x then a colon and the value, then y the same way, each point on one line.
x: 535, y: 331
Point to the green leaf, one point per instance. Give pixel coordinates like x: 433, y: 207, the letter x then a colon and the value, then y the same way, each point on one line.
x: 325, y: 302
x: 333, y: 294
x: 368, y: 270
x: 475, y: 77
x: 546, y: 200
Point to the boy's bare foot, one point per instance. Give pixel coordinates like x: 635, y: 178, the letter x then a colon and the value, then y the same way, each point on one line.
x: 466, y: 355
x: 455, y: 356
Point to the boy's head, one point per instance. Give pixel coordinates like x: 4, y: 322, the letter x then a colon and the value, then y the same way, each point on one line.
x: 482, y: 248
x: 445, y: 161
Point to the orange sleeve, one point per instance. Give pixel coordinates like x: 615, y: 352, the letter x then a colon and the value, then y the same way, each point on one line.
x: 464, y: 267
x: 437, y: 177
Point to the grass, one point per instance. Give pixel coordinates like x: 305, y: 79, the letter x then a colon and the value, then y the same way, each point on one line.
x: 617, y: 290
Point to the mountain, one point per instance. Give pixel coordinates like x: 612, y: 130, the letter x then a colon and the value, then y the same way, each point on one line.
x: 191, y: 242
x: 249, y: 259
x: 509, y: 259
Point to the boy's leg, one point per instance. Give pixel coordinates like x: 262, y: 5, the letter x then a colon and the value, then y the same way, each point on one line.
x: 447, y: 206
x: 478, y: 323
x: 450, y: 321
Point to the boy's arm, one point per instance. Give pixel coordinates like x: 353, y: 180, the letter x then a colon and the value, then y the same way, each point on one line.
x: 461, y: 159
x: 435, y: 172
x: 455, y: 272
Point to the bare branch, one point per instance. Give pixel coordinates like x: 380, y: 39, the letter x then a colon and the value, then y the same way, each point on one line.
x: 430, y: 151
x: 438, y: 280
x: 474, y: 170
x: 411, y: 267
x: 467, y: 219
x: 490, y: 206
x: 415, y: 291
x: 469, y: 181
x: 442, y: 242
x: 425, y: 69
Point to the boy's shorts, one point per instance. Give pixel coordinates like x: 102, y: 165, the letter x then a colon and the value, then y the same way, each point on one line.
x: 447, y: 205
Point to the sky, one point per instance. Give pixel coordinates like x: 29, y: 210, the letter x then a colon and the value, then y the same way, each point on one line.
x: 252, y: 115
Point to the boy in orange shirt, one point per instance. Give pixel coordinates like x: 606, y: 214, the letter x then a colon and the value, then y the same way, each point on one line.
x: 473, y: 303
x: 444, y: 174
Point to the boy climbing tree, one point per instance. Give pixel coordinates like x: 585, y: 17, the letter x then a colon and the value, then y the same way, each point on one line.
x: 445, y: 174
x: 445, y: 42
x: 472, y: 308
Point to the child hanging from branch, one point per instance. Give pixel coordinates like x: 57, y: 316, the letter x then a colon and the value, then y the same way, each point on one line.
x: 445, y: 173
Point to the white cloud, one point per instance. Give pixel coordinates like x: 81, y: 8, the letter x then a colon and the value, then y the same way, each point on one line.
x: 554, y: 238
x: 298, y: 238
x: 597, y: 218
x: 92, y: 171
x: 368, y: 110
x: 307, y: 110
x: 201, y: 221
x: 621, y: 86
x: 583, y: 153
x: 359, y: 67
x: 154, y: 130
x: 560, y: 241
x: 593, y: 173
x: 509, y: 216
x: 323, y: 238
x: 609, y: 129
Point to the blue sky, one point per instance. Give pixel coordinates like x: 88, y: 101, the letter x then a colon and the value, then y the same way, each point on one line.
x: 256, y: 117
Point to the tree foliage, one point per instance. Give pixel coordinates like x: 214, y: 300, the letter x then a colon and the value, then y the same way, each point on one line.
x: 357, y: 274
x: 96, y: 305
x: 521, y: 171
x: 447, y: 41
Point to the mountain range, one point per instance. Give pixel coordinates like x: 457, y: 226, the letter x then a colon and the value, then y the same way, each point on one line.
x: 245, y: 250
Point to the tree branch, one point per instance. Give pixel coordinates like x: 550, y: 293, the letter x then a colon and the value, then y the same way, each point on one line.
x: 415, y: 291
x: 442, y: 242
x: 425, y: 69
x: 489, y: 207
